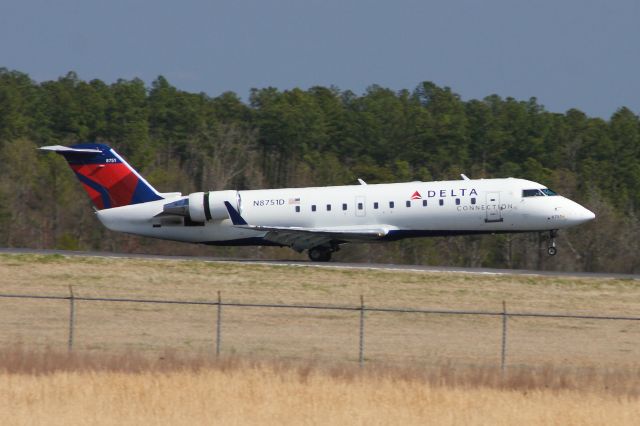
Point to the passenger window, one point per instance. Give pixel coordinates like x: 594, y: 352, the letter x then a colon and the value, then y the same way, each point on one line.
x: 328, y: 207
x: 344, y: 206
x: 424, y: 203
x: 313, y: 208
x: 441, y: 202
x: 297, y: 209
x: 360, y: 206
x: 375, y: 205
x: 457, y: 201
x: 391, y: 204
x: 473, y: 201
x: 408, y: 203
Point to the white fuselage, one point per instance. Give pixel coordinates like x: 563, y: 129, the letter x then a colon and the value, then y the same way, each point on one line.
x: 404, y: 209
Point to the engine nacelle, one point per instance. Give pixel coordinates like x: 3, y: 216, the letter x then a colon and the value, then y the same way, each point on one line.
x: 205, y: 206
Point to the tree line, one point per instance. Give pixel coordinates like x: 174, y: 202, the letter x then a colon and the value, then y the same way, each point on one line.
x: 182, y: 141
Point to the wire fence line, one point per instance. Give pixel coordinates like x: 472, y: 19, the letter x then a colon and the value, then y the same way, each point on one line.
x: 362, y: 309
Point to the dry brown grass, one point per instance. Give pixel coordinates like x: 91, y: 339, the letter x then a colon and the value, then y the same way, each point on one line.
x: 152, y: 364
x: 404, y: 339
x: 59, y: 389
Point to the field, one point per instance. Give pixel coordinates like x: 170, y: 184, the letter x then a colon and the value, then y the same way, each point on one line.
x: 401, y: 339
x: 154, y: 364
x: 260, y: 395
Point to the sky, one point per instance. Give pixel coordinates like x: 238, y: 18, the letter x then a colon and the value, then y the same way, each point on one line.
x: 581, y: 54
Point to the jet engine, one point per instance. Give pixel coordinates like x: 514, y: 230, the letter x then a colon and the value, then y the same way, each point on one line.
x: 201, y: 207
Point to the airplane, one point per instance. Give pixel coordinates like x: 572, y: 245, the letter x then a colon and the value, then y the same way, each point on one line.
x: 317, y: 219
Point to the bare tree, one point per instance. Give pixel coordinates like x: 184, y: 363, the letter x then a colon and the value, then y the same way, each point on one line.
x: 224, y: 156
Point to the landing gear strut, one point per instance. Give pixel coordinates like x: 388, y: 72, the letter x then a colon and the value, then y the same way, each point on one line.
x: 321, y: 253
x: 551, y: 249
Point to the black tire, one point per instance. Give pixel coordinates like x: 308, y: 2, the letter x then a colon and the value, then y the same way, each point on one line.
x: 552, y: 251
x: 319, y: 254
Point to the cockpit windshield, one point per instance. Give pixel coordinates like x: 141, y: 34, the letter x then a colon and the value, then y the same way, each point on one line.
x: 532, y: 193
x: 537, y: 192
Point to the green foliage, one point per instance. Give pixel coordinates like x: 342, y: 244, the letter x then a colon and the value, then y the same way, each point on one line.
x: 67, y: 242
x: 185, y: 141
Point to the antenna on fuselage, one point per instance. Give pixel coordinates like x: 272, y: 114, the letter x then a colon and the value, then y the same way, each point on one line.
x: 464, y: 177
x: 362, y: 182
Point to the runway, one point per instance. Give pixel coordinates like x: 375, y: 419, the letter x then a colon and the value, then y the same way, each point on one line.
x: 337, y: 265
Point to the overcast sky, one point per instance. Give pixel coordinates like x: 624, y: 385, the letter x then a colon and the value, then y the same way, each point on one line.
x: 567, y: 53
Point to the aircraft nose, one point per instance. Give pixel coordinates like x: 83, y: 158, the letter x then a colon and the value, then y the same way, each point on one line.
x: 580, y: 214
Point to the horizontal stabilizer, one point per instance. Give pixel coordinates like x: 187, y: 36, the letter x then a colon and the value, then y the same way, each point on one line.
x: 65, y: 149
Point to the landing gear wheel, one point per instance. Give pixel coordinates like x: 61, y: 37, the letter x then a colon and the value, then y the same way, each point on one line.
x: 320, y: 254
x: 552, y: 250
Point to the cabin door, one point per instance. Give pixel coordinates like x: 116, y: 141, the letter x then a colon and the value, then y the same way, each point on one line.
x: 494, y: 214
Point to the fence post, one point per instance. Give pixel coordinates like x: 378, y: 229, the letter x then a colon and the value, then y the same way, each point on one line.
x: 503, y: 358
x: 218, y: 325
x: 72, y: 318
x: 361, y: 354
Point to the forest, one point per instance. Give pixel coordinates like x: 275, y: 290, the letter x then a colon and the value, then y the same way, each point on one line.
x: 182, y: 141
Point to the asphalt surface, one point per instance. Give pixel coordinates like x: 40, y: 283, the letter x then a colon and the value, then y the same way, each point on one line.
x: 376, y: 266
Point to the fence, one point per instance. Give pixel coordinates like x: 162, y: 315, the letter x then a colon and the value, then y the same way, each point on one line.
x: 504, y: 316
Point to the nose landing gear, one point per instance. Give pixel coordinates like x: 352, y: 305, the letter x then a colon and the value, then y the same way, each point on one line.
x: 551, y: 249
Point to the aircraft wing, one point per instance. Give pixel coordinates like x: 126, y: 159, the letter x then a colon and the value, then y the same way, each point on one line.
x: 305, y: 238
x: 301, y: 239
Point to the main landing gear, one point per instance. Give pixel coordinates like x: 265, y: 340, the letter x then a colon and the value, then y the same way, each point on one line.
x: 551, y: 249
x: 321, y: 253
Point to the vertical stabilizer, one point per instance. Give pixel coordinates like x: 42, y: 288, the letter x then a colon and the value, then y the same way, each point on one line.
x: 106, y: 177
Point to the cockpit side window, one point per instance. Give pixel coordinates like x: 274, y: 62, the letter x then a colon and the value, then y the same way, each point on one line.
x: 532, y: 193
x: 549, y: 192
